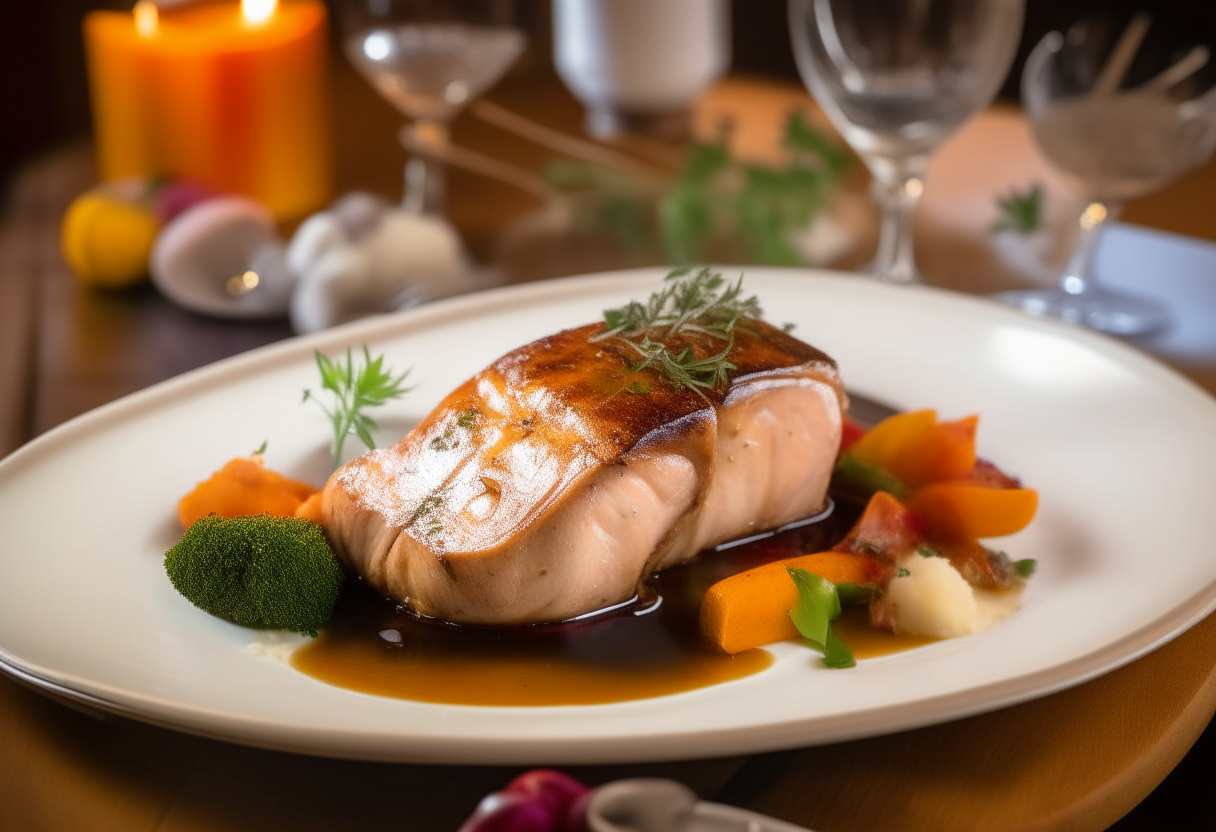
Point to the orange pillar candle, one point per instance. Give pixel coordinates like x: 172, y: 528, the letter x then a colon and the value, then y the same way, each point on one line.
x: 119, y: 51
x: 235, y: 97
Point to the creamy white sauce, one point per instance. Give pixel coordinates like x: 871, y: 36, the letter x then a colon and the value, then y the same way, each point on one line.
x: 276, y: 645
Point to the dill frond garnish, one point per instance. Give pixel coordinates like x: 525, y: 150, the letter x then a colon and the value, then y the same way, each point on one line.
x: 700, y: 302
x: 352, y: 390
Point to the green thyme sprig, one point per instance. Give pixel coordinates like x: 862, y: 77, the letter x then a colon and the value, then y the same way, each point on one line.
x: 699, y: 302
x: 352, y: 390
x: 683, y: 368
x: 702, y: 301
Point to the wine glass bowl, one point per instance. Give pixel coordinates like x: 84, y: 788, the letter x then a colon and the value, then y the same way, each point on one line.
x: 430, y: 58
x: 1112, y: 144
x: 432, y: 71
x: 897, y: 78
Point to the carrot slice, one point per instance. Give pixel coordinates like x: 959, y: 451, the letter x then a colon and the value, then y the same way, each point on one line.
x: 243, y: 486
x: 966, y: 510
x: 751, y: 609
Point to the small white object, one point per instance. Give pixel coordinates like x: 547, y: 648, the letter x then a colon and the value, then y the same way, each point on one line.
x: 934, y: 600
x: 359, y: 259
x: 359, y: 212
x: 330, y: 291
x: 316, y: 236
x: 639, y: 57
x: 198, y: 254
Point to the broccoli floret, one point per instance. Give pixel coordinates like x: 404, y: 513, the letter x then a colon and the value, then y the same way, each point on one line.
x: 259, y: 571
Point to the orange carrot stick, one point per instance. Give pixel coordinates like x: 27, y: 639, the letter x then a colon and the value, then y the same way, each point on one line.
x: 751, y: 609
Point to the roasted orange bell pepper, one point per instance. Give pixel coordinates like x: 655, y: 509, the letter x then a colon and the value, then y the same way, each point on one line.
x: 967, y: 510
x: 917, y: 449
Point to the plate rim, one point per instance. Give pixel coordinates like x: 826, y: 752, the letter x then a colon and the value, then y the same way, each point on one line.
x: 505, y: 750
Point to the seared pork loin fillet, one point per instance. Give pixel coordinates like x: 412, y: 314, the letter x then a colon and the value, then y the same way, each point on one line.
x: 553, y: 482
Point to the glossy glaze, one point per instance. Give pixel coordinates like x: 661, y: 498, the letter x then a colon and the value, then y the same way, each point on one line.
x: 555, y: 480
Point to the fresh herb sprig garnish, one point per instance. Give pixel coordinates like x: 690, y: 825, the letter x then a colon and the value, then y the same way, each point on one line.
x: 352, y: 390
x: 684, y: 368
x: 700, y: 302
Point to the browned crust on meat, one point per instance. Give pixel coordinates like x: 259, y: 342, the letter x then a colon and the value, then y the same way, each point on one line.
x: 559, y: 407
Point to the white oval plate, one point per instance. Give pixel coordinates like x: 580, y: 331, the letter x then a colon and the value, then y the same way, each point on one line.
x: 1122, y: 449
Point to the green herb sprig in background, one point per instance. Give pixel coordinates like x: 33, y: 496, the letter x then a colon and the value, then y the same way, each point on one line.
x: 1020, y: 211
x: 715, y: 207
x: 352, y: 390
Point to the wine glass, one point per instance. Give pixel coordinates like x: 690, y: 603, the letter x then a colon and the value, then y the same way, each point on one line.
x: 897, y: 78
x: 1113, y: 145
x: 430, y: 58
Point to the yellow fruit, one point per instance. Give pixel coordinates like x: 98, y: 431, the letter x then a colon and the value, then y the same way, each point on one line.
x: 106, y: 241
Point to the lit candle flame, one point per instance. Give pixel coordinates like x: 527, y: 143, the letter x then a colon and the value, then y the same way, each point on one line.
x: 146, y: 18
x: 257, y: 12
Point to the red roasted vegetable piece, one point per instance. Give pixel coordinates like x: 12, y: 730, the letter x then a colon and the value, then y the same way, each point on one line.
x: 850, y: 432
x: 886, y: 529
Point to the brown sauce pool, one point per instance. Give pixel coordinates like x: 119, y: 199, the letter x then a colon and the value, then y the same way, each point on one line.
x: 651, y: 647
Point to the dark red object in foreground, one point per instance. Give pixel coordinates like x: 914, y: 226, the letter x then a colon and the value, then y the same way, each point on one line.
x: 541, y: 800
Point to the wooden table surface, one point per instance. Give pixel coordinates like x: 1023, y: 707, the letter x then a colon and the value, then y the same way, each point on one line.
x: 1078, y: 760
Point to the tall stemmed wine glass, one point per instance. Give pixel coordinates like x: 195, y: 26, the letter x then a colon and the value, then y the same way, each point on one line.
x: 897, y: 78
x: 430, y: 58
x: 1113, y: 145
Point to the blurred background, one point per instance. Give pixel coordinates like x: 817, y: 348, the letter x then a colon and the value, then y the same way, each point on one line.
x: 44, y: 89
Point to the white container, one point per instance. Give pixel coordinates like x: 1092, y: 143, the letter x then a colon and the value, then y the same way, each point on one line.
x: 639, y: 64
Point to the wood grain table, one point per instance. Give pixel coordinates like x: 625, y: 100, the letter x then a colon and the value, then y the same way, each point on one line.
x: 1077, y: 760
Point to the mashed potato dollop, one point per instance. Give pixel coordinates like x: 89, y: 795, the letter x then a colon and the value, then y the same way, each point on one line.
x: 930, y: 598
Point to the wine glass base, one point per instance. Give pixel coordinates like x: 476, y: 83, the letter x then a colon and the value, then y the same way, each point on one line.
x: 1109, y: 312
x: 906, y: 277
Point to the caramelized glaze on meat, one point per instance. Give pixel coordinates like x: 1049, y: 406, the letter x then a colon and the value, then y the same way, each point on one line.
x: 553, y: 482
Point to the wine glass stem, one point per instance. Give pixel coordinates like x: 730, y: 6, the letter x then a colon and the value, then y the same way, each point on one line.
x: 897, y: 194
x: 425, y: 173
x: 1077, y: 278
